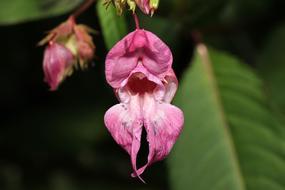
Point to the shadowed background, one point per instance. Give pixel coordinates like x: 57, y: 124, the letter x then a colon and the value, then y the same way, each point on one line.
x: 57, y: 140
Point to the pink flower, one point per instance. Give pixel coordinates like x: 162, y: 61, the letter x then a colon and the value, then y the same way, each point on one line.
x: 57, y: 64
x: 139, y: 69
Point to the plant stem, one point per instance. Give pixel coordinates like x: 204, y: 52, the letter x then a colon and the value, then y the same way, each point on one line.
x: 136, y: 20
x: 85, y: 5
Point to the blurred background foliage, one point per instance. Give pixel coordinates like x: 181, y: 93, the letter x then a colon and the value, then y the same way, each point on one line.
x: 229, y: 56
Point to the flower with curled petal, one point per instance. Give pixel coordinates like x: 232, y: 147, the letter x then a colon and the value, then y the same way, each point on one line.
x: 139, y: 69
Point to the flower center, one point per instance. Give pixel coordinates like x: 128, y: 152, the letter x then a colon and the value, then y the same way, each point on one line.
x: 139, y: 84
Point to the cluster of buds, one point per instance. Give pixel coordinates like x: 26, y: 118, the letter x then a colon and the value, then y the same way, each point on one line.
x: 147, y: 6
x: 69, y: 46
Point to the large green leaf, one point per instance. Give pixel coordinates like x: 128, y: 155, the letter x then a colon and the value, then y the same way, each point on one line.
x: 230, y: 139
x: 113, y: 26
x: 17, y: 11
x: 271, y: 65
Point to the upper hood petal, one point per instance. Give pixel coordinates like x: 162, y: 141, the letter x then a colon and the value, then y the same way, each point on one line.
x: 139, y: 45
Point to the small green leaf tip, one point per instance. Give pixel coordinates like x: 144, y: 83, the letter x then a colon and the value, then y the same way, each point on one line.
x: 153, y: 4
x: 132, y: 5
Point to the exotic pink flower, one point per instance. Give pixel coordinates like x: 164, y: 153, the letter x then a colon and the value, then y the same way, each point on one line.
x: 57, y: 64
x: 139, y: 69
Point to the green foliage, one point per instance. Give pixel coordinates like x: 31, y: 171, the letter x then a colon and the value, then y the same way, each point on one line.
x: 17, y: 11
x: 113, y: 26
x: 231, y: 140
x: 272, y: 68
x: 199, y: 12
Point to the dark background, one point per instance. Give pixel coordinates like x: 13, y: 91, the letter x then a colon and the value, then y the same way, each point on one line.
x: 57, y: 140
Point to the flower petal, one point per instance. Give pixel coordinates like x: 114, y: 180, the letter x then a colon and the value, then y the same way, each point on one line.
x: 163, y: 123
x: 120, y: 62
x: 56, y: 64
x: 157, y: 55
x: 143, y: 5
x: 171, y: 85
x: 125, y: 125
x: 137, y: 46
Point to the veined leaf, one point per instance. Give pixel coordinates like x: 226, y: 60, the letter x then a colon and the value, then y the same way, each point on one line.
x: 113, y: 26
x: 230, y: 140
x: 17, y: 11
x: 271, y: 65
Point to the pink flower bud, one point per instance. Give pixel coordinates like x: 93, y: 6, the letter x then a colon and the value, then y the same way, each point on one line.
x: 148, y: 6
x: 69, y: 45
x: 57, y: 64
x: 84, y: 43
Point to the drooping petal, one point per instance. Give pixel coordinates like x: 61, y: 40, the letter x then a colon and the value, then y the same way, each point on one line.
x: 124, y: 122
x: 163, y: 123
x: 56, y: 64
x: 138, y: 46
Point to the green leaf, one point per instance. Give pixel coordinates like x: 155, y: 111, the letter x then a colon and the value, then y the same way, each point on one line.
x: 113, y: 26
x: 272, y: 68
x: 230, y: 139
x: 18, y: 11
x: 199, y: 12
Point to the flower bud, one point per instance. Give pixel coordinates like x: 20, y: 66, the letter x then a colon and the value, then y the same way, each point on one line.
x: 153, y: 4
x: 85, y: 45
x: 57, y: 64
x: 69, y: 44
x: 143, y: 5
x: 132, y: 5
x: 147, y: 6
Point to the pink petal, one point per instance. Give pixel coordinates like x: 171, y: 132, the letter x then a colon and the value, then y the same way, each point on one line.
x: 84, y: 41
x: 163, y: 123
x: 157, y: 55
x: 118, y: 69
x: 144, y: 5
x: 120, y: 62
x: 124, y: 122
x: 137, y: 46
x: 57, y: 59
x: 171, y: 85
